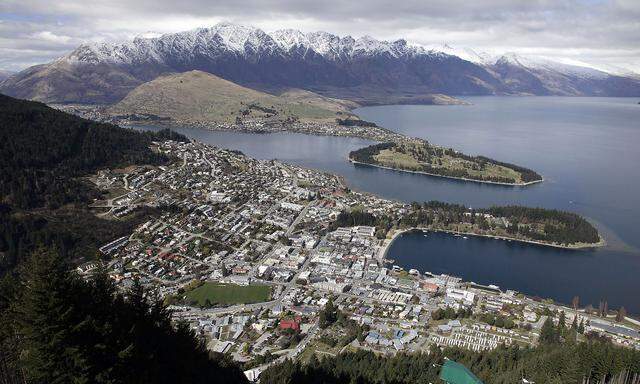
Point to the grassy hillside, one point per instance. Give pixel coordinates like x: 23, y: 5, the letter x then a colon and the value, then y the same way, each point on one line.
x: 198, y: 96
x: 423, y: 157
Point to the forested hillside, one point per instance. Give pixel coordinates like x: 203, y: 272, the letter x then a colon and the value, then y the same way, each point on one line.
x: 41, y: 149
x: 54, y: 326
x: 57, y: 328
x: 43, y: 152
x: 568, y: 363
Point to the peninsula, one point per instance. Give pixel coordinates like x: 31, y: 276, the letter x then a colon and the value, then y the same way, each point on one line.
x: 202, y: 100
x: 419, y: 156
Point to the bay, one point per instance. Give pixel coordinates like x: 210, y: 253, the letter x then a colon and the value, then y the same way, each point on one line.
x: 587, y: 149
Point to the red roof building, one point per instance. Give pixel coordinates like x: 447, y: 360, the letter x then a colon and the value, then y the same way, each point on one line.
x: 291, y: 323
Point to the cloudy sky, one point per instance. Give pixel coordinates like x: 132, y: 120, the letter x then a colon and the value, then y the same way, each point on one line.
x: 602, y: 33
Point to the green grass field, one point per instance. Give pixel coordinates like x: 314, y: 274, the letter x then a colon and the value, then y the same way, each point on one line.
x: 228, y: 294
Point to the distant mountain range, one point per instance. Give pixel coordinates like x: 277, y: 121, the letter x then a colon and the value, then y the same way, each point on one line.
x: 364, y: 69
x: 4, y: 74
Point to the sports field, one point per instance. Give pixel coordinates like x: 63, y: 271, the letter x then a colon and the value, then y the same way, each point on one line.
x: 228, y: 294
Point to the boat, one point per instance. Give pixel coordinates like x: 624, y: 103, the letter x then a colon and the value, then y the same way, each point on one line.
x: 465, y: 237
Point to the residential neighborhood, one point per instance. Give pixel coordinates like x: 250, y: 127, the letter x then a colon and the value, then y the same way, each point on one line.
x: 246, y: 252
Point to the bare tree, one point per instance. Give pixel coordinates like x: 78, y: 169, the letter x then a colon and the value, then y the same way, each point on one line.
x: 575, y: 302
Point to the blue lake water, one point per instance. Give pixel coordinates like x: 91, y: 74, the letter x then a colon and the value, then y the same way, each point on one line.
x: 588, y: 150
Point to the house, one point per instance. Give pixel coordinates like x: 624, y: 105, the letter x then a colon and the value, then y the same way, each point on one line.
x: 430, y: 287
x: 291, y: 323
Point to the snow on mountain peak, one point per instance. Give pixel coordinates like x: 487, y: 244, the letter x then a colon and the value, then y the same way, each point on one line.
x: 288, y: 38
x: 252, y: 42
x: 464, y: 53
x: 236, y: 36
x: 545, y: 64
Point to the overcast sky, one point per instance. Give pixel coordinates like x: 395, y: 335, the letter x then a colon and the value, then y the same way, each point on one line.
x: 592, y: 31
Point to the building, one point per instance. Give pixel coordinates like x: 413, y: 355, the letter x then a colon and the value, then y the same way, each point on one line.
x: 290, y: 324
x: 430, y: 287
x: 466, y: 297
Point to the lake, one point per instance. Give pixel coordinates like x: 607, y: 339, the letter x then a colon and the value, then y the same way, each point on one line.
x: 586, y: 148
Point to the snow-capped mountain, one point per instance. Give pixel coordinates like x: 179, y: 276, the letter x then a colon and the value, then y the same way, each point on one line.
x: 466, y: 53
x: 236, y: 39
x: 320, y: 61
x: 4, y: 74
x: 542, y: 64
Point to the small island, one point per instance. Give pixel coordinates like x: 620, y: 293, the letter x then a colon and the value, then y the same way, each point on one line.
x: 419, y: 156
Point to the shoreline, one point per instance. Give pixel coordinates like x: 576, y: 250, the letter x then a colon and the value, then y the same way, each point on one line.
x: 397, y: 233
x: 449, y: 177
x: 382, y: 256
x: 217, y: 128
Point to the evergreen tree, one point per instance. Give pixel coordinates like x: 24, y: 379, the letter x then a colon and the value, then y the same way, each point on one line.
x: 594, y: 362
x: 328, y: 315
x: 548, y: 333
x: 62, y: 329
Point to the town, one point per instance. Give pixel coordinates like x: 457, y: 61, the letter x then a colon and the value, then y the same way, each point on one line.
x: 248, y: 254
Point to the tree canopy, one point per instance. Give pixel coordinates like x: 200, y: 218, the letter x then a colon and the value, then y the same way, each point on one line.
x: 57, y: 328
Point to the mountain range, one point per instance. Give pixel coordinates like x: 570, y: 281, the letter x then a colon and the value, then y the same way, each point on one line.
x: 4, y: 74
x: 365, y: 70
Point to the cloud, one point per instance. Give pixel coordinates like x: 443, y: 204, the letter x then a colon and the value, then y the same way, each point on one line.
x: 51, y: 37
x: 579, y: 30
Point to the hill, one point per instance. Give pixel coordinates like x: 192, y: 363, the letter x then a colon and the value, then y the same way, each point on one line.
x: 4, y: 74
x: 42, y: 148
x: 55, y: 327
x: 44, y: 153
x: 422, y: 157
x: 197, y: 96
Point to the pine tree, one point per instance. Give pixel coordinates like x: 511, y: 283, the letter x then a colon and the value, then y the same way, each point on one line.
x: 548, y: 333
x: 71, y: 331
x: 562, y: 322
x: 328, y: 315
x: 47, y: 318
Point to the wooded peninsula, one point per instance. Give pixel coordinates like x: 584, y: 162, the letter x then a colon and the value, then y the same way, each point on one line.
x: 419, y: 156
